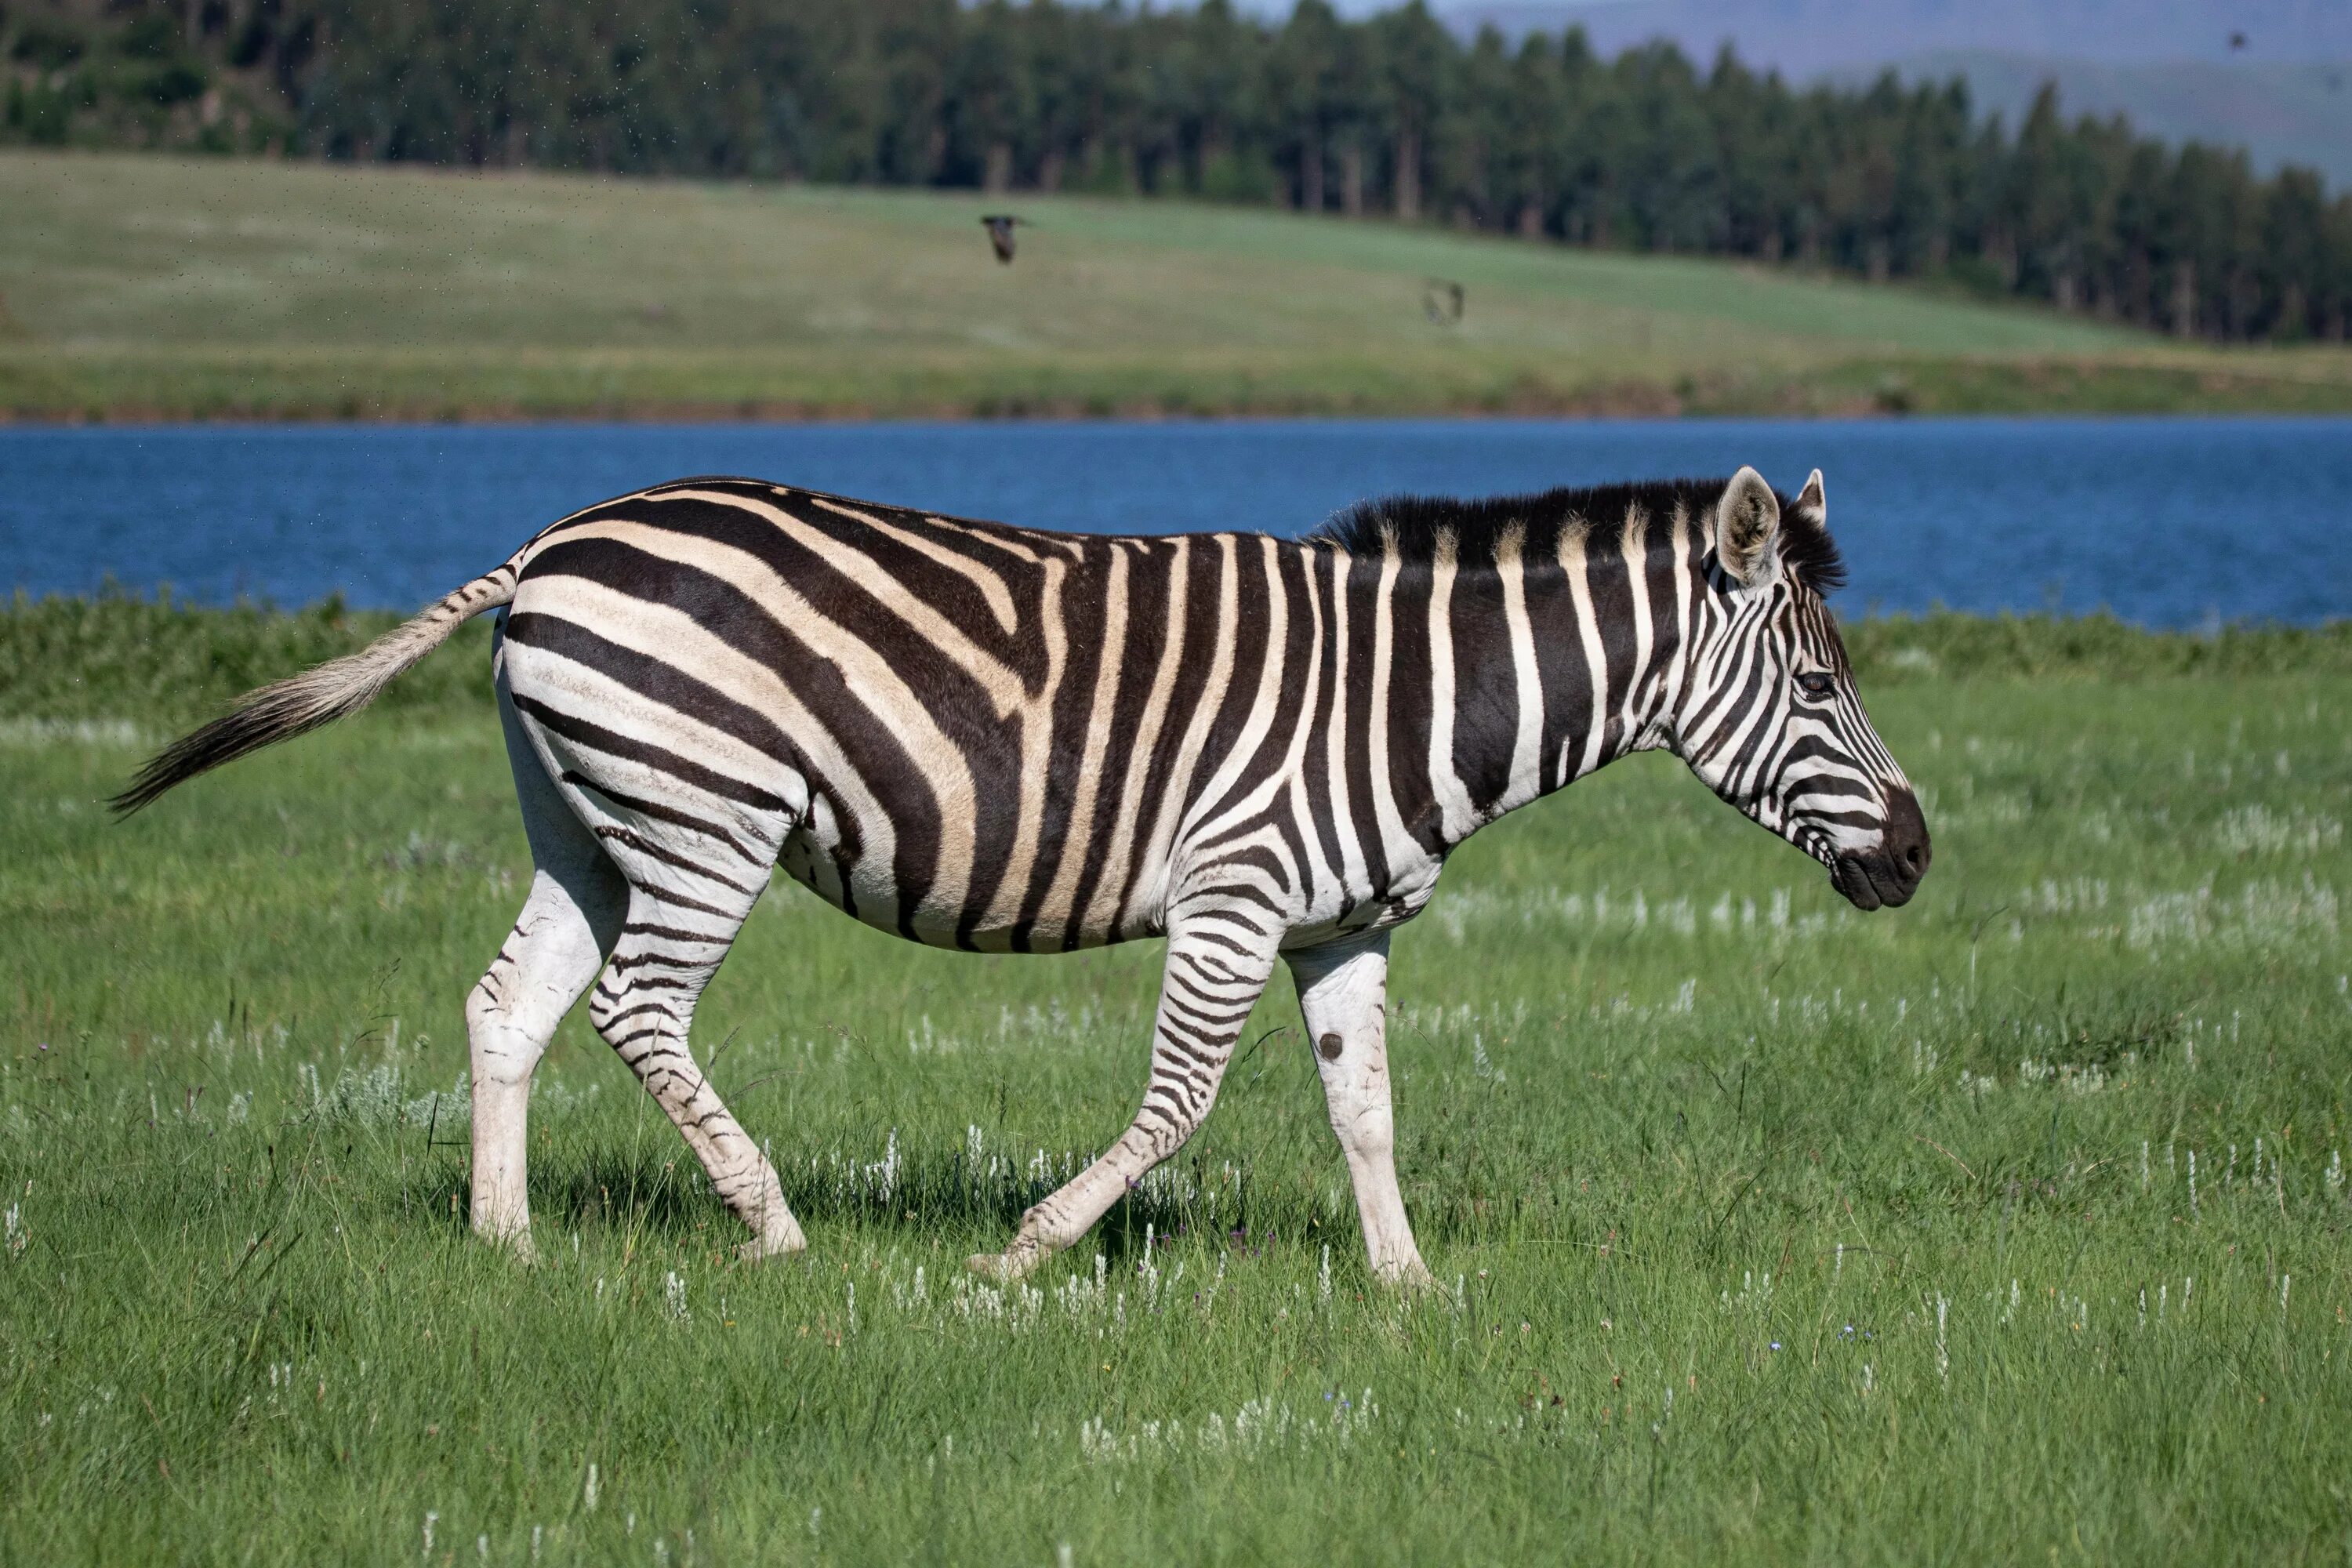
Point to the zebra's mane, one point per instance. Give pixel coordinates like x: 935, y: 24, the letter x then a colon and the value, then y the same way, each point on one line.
x: 1476, y: 523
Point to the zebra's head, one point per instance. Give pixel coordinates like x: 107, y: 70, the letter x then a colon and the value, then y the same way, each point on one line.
x: 1770, y: 718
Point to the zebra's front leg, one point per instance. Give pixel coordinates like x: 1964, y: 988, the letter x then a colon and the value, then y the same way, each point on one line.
x: 1343, y: 992
x: 1219, y: 959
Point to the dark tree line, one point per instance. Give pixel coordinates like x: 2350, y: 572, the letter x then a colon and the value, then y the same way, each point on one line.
x: 1392, y: 115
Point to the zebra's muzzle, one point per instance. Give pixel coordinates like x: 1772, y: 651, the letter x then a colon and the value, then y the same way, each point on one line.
x: 1887, y: 876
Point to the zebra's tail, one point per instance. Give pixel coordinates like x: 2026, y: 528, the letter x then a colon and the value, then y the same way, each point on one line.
x: 300, y: 703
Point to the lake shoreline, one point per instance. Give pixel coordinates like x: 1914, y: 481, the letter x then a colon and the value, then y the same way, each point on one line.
x: 1858, y: 390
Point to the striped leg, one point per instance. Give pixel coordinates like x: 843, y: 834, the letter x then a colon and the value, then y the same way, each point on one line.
x: 567, y: 926
x: 669, y: 948
x: 1343, y: 992
x: 1219, y: 959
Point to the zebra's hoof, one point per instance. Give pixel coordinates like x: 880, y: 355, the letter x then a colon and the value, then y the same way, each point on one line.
x: 759, y: 1250
x: 1002, y: 1267
x: 1412, y: 1277
x: 516, y: 1244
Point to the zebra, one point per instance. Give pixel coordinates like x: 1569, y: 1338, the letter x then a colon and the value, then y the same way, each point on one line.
x: 998, y: 739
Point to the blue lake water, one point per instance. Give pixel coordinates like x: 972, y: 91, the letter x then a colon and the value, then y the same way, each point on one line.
x: 2172, y: 522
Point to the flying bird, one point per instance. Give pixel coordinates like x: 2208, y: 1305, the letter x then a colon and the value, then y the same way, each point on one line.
x: 999, y: 234
x: 2237, y: 40
x: 1441, y: 300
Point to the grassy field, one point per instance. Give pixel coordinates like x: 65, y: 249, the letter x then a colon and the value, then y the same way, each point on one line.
x: 161, y: 288
x: 2007, y: 1226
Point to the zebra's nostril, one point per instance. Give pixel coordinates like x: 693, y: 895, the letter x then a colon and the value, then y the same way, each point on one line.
x: 1905, y: 837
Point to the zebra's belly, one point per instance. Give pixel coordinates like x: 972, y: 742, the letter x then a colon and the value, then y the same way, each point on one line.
x: 868, y: 890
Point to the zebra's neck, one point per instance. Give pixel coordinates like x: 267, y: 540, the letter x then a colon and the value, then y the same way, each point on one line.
x: 1551, y: 656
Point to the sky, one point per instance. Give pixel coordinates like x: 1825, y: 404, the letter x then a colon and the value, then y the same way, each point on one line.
x: 2273, y: 77
x: 1805, y: 38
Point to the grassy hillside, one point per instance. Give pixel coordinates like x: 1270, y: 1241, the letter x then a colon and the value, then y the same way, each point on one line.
x: 169, y: 287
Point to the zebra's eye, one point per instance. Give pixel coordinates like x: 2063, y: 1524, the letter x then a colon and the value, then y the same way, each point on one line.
x: 1816, y: 685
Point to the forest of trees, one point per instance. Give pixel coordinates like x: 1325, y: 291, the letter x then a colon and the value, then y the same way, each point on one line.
x: 1392, y: 115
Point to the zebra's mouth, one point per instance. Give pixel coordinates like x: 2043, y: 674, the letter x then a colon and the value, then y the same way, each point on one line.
x: 1886, y: 876
x: 1870, y: 882
x: 1849, y: 877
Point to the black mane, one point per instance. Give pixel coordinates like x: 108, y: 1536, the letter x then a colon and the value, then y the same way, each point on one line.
x: 1806, y: 547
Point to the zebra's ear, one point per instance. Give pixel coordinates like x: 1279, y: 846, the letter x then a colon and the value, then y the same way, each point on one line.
x: 1746, y: 520
x: 1810, y: 499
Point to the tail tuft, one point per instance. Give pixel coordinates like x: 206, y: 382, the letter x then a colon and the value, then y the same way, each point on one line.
x: 301, y: 703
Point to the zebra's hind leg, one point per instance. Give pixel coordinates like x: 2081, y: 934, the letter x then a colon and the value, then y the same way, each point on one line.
x: 567, y: 926
x: 1219, y: 959
x: 669, y: 947
x: 1343, y: 992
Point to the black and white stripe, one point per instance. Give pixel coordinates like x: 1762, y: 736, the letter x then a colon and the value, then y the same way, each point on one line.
x: 992, y: 738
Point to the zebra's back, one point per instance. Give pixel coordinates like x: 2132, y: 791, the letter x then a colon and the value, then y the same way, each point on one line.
x: 975, y: 735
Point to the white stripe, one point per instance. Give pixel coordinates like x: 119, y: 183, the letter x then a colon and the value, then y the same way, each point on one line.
x: 1596, y: 659
x: 1456, y: 819
x: 1526, y: 747
x: 1352, y: 876
x: 1398, y: 847
x: 1634, y: 547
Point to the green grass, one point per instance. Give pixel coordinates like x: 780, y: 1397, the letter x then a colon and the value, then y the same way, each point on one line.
x: 175, y: 288
x: 1671, y: 1115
